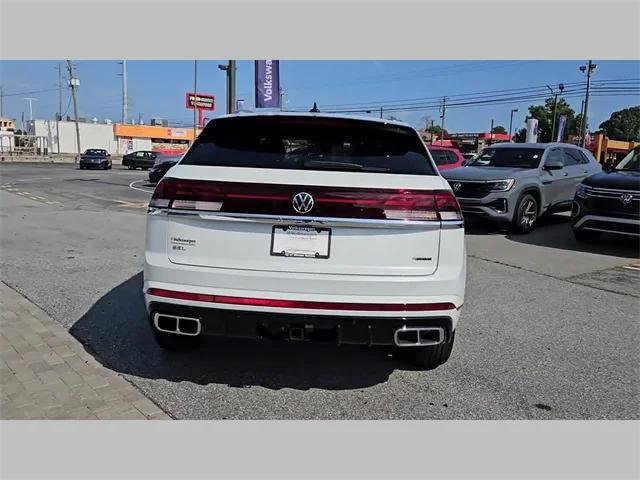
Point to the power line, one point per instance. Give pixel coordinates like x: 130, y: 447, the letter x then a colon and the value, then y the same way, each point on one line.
x: 530, y: 89
x: 482, y: 101
x: 32, y: 92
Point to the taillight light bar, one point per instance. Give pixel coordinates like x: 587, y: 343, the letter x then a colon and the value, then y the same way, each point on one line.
x: 391, y: 204
x: 300, y: 304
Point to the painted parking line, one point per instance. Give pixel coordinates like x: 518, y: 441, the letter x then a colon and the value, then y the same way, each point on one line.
x: 633, y: 266
x: 140, y: 188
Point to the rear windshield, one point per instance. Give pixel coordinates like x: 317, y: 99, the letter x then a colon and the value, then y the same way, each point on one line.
x: 310, y: 143
x: 509, y: 157
x: 95, y: 152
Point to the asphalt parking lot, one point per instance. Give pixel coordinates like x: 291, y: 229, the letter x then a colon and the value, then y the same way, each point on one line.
x: 549, y: 331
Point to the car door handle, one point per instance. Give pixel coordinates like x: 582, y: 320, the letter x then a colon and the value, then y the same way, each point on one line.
x: 566, y: 174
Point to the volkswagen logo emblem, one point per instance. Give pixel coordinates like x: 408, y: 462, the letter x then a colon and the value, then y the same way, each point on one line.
x: 457, y: 186
x: 302, y: 202
x: 626, y: 198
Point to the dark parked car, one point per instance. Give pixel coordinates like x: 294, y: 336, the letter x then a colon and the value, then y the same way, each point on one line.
x: 95, y: 158
x: 162, y: 166
x: 609, y: 201
x: 141, y: 159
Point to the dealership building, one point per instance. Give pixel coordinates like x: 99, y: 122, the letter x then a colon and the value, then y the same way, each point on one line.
x: 116, y: 138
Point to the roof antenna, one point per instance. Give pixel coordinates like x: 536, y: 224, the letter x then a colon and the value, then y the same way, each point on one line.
x: 315, y: 108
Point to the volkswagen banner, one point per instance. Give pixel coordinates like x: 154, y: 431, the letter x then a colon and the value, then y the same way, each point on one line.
x: 267, y: 76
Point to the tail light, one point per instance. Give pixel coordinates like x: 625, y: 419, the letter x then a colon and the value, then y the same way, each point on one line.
x: 275, y: 199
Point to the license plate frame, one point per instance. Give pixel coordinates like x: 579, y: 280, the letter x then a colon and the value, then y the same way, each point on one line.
x: 280, y: 238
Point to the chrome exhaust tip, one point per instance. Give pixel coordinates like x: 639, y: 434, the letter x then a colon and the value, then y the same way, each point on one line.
x: 418, y: 336
x: 177, y: 324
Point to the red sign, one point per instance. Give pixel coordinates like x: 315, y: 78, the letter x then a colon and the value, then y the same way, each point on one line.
x: 200, y: 101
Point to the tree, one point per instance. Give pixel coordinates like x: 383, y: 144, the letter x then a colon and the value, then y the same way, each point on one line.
x: 499, y: 129
x: 544, y: 115
x: 520, y: 136
x: 623, y: 125
x: 436, y: 130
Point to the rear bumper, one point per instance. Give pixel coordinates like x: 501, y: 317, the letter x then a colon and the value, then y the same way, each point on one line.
x: 357, y: 330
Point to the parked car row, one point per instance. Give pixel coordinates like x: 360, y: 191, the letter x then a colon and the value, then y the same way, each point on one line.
x: 156, y: 163
x: 516, y: 183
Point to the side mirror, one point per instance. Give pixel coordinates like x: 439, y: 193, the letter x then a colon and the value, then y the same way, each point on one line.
x: 553, y: 165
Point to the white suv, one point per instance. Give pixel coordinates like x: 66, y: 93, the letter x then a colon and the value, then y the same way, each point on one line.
x: 306, y: 227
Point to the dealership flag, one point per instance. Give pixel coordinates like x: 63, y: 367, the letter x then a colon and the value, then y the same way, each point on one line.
x: 562, y: 121
x: 267, y: 83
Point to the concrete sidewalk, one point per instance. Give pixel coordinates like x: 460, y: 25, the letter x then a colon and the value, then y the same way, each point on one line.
x: 45, y: 373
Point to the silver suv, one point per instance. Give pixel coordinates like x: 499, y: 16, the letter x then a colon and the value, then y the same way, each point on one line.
x: 515, y: 183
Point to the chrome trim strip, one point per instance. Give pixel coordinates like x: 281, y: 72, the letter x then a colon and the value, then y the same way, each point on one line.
x: 610, y: 190
x: 599, y: 218
x: 474, y: 181
x: 617, y: 232
x: 310, y: 221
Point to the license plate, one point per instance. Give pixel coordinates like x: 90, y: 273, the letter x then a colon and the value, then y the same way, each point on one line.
x: 308, y: 242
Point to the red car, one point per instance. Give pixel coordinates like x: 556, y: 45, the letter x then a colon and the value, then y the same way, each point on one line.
x: 446, y: 157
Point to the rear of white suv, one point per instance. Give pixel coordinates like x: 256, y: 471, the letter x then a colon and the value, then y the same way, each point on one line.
x: 306, y: 228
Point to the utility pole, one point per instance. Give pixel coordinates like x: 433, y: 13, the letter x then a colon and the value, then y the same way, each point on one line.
x: 588, y: 68
x: 59, y: 115
x: 125, y: 96
x: 380, y: 112
x: 513, y: 110
x: 73, y: 83
x: 443, y: 111
x: 1, y: 102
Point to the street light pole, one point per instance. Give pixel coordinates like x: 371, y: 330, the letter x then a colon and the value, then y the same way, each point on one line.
x: 511, y: 123
x: 230, y: 68
x: 195, y: 97
x: 30, y: 100
x: 491, y: 133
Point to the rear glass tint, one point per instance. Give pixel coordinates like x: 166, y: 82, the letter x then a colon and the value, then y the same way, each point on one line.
x: 310, y: 143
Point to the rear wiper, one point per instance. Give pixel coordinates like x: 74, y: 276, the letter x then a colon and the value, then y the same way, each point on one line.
x: 328, y: 165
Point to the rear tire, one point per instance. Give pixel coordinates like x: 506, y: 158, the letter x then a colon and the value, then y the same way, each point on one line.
x: 427, y: 358
x: 585, y: 235
x: 132, y: 167
x: 525, y: 214
x: 174, y: 342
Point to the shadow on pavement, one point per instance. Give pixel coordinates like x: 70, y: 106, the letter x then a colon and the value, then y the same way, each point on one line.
x: 116, y: 332
x: 554, y: 231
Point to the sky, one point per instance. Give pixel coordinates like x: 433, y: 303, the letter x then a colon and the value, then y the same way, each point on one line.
x: 157, y: 88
